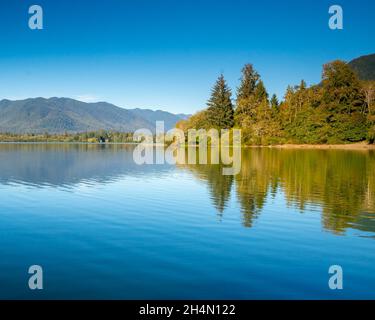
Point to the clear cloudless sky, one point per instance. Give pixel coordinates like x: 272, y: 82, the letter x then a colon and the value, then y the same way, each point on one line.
x: 166, y: 54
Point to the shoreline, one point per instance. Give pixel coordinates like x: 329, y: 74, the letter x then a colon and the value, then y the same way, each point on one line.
x: 68, y: 142
x: 351, y: 146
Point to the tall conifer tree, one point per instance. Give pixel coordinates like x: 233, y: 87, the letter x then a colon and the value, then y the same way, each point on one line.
x: 220, y: 108
x: 249, y: 82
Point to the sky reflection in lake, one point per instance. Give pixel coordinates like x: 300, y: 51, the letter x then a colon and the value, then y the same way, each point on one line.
x: 104, y: 227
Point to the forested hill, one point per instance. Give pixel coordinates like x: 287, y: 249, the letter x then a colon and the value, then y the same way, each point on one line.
x: 364, y: 67
x: 59, y: 115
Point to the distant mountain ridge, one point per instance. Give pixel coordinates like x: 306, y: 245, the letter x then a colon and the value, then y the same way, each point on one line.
x: 158, y: 115
x: 59, y: 115
x: 364, y: 66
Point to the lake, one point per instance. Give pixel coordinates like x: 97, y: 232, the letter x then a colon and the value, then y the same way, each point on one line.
x: 103, y: 227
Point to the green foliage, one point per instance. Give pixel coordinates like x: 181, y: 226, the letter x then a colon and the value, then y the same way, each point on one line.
x: 249, y: 82
x: 343, y: 104
x: 341, y: 89
x: 84, y: 137
x: 342, y: 183
x: 339, y: 110
x: 274, y: 102
x: 371, y: 135
x: 253, y: 112
x: 260, y: 91
x: 197, y: 121
x: 220, y: 113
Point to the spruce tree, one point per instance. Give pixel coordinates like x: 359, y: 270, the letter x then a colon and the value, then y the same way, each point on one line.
x: 246, y: 100
x: 302, y: 85
x: 274, y: 102
x: 260, y: 92
x: 249, y: 82
x: 220, y: 108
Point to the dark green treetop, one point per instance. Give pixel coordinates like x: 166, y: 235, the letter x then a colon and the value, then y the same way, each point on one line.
x: 220, y: 108
x: 274, y: 102
x: 260, y: 92
x: 249, y: 81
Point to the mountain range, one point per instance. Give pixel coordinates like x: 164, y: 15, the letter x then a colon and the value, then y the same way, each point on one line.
x: 59, y: 115
x: 364, y: 67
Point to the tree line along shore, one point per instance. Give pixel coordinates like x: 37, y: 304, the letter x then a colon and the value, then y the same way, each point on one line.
x: 339, y: 112
x: 100, y: 136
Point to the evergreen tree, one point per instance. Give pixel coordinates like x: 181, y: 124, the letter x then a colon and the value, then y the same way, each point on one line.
x: 302, y: 85
x: 246, y: 102
x: 340, y: 109
x: 342, y: 89
x: 249, y: 82
x: 220, y: 113
x: 274, y: 102
x: 343, y: 103
x: 260, y: 92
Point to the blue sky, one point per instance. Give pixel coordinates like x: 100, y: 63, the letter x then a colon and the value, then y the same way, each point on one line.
x: 166, y: 54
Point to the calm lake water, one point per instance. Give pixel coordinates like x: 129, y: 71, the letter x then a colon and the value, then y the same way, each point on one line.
x: 103, y: 227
